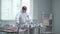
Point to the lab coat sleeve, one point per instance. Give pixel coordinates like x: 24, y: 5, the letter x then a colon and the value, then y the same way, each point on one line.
x: 17, y: 18
x: 30, y: 18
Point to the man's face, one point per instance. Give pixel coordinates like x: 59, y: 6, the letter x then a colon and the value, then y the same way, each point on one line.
x: 24, y: 11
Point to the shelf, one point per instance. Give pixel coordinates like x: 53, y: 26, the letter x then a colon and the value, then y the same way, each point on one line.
x: 47, y: 32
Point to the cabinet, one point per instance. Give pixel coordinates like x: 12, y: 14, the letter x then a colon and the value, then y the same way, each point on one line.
x: 48, y: 29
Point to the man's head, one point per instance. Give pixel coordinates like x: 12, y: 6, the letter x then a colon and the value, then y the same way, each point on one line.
x: 24, y: 8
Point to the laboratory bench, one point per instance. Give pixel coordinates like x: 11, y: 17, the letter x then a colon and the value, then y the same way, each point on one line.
x: 30, y: 29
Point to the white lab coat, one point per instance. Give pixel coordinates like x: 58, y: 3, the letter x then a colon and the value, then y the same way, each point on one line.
x: 23, y: 18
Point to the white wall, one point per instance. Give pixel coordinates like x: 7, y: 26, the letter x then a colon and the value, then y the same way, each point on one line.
x: 56, y: 9
x: 0, y: 8
x: 35, y: 9
x: 41, y: 5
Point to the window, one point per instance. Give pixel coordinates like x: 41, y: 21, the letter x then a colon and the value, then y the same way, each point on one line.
x: 9, y: 8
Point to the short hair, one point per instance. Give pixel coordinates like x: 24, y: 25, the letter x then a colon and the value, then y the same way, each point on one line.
x: 24, y: 8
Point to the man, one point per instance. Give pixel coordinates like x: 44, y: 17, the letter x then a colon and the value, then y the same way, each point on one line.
x: 23, y: 17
